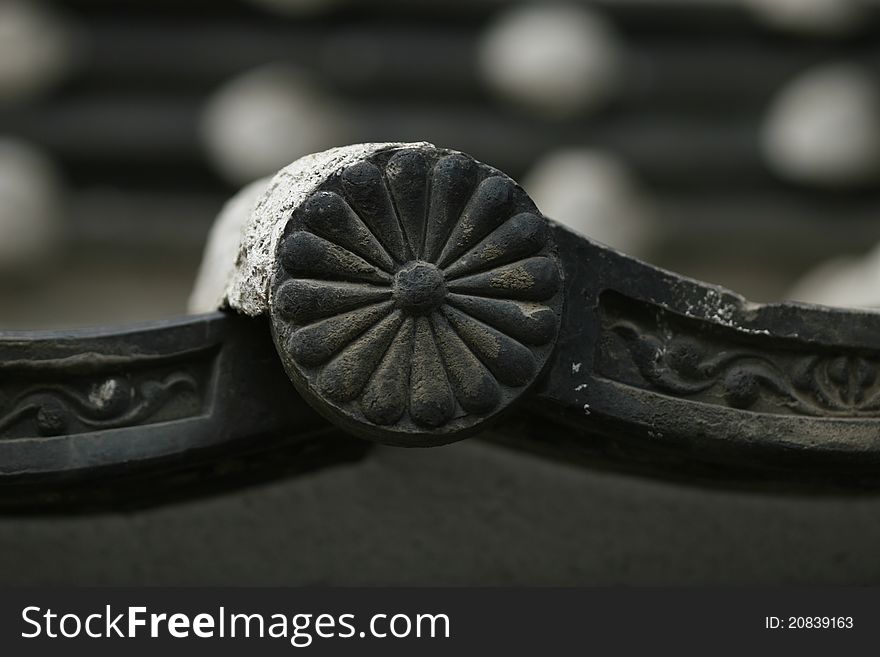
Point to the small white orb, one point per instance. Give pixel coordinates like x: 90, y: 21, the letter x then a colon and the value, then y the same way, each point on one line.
x: 845, y: 282
x: 823, y: 128
x: 264, y: 119
x: 592, y: 193
x: 809, y: 17
x: 31, y: 208
x: 553, y: 60
x: 37, y: 49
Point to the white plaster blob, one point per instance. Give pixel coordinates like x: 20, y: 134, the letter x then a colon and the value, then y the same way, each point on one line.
x: 240, y: 253
x: 221, y: 248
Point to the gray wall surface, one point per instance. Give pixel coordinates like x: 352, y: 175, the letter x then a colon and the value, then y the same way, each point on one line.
x: 467, y: 514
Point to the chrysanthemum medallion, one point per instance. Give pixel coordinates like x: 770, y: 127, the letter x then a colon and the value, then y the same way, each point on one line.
x: 418, y: 294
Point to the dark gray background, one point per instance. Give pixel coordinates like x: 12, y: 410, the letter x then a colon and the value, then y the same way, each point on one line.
x: 473, y: 513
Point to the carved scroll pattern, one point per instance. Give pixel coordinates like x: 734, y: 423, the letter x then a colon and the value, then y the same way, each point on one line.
x: 66, y: 396
x: 687, y: 358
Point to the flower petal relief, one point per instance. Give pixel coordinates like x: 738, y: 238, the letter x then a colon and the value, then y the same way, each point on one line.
x: 418, y: 293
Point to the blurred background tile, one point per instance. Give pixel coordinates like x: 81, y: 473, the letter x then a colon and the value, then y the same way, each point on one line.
x: 737, y: 141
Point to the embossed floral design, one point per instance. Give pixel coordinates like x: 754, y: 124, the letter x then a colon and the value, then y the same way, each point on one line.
x: 832, y: 385
x: 109, y: 402
x: 418, y: 291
